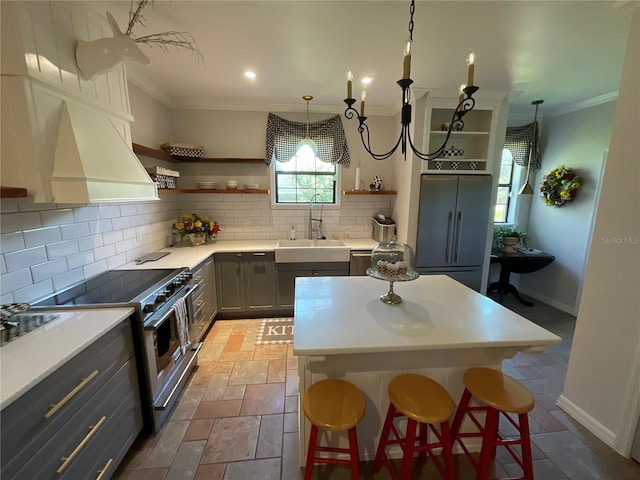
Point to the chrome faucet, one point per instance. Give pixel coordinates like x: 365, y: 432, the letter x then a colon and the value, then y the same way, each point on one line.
x: 319, y: 234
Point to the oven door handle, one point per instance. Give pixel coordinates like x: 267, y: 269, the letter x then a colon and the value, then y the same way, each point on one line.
x: 156, y: 323
x: 185, y: 295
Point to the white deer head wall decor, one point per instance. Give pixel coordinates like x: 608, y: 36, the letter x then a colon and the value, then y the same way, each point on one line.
x: 105, y: 54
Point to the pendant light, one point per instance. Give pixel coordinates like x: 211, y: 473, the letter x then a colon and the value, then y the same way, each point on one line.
x: 526, y: 188
x: 306, y: 141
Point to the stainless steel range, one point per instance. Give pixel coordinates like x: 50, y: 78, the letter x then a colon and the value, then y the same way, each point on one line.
x: 161, y: 299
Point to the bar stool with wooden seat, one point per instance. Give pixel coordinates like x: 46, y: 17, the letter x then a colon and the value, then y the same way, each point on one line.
x: 335, y: 405
x: 497, y: 394
x: 426, y: 403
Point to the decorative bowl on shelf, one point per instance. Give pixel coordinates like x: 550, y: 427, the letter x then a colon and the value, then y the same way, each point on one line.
x: 393, y: 262
x: 232, y: 184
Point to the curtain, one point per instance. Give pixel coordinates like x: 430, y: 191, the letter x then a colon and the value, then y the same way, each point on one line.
x: 283, y: 136
x: 519, y: 139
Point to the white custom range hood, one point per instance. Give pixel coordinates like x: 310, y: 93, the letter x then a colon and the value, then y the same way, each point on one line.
x: 65, y: 139
x: 93, y: 163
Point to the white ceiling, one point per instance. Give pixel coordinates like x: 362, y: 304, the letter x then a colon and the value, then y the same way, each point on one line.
x: 561, y: 51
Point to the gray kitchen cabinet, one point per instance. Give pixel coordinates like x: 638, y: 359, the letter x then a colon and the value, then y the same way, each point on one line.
x: 80, y: 421
x: 259, y: 281
x: 204, y: 303
x: 245, y: 283
x: 230, y: 282
x: 286, y: 274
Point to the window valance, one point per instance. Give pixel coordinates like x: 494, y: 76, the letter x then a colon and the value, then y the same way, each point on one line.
x: 519, y: 139
x: 283, y: 136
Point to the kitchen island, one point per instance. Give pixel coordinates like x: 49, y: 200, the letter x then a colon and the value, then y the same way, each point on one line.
x: 342, y: 330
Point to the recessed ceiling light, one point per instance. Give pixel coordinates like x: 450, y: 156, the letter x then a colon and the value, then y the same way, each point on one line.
x: 250, y: 74
x: 367, y: 80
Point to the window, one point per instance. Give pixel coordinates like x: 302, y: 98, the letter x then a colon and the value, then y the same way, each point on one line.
x: 297, y: 180
x: 505, y: 182
x: 297, y: 176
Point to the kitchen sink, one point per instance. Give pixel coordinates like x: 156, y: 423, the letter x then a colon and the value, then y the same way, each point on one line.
x: 295, y: 251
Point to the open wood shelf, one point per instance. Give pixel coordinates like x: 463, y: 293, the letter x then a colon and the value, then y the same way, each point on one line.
x: 204, y: 190
x: 13, y: 192
x: 162, y: 155
x: 368, y: 192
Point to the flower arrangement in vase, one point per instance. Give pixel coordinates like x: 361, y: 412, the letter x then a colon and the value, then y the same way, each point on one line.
x: 508, y: 237
x: 198, y: 228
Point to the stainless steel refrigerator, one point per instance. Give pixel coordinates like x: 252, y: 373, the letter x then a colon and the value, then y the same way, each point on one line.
x: 452, y: 226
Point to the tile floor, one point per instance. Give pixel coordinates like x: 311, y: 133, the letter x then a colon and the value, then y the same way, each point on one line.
x: 237, y: 419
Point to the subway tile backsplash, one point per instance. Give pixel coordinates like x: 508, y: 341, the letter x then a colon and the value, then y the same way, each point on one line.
x: 46, y: 247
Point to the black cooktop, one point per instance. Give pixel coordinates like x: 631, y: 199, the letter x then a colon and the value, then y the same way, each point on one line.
x: 114, y: 286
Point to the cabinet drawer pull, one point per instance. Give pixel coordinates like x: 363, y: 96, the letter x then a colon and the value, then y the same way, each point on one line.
x: 67, y: 460
x: 200, y: 303
x: 55, y: 407
x: 259, y: 254
x: 102, y: 473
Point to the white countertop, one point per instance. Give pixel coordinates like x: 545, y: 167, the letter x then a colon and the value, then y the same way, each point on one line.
x: 192, y: 256
x: 341, y: 315
x: 32, y: 357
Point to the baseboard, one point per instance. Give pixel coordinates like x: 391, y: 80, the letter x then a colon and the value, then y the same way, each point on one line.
x: 570, y: 309
x: 587, y: 421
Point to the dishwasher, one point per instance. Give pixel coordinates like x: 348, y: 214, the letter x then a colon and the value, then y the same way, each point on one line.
x: 360, y: 261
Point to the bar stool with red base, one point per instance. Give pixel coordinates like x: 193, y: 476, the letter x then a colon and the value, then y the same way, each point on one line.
x: 498, y: 394
x: 335, y: 405
x: 426, y: 403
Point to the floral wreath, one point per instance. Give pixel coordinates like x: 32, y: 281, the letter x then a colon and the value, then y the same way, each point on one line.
x: 560, y: 186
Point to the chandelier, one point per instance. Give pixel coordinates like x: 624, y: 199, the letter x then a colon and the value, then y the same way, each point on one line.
x: 465, y: 105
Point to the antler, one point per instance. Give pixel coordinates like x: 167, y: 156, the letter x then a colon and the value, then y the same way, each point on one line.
x: 174, y: 39
x: 135, y: 16
x: 163, y: 39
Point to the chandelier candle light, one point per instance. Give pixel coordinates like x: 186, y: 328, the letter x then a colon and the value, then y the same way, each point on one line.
x: 465, y: 105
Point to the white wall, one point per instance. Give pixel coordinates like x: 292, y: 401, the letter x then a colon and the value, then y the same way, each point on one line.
x: 151, y: 119
x: 253, y: 217
x: 47, y: 247
x: 576, y: 140
x: 602, y: 386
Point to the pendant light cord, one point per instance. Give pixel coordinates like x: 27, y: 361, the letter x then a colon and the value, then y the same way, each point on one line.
x: 307, y: 134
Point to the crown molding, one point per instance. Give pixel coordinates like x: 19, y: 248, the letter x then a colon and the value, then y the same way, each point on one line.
x: 582, y: 104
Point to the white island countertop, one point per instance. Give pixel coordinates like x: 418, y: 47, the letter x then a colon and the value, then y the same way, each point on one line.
x: 33, y: 356
x: 343, y: 315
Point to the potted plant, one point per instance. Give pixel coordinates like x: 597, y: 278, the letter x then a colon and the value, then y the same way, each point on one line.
x: 508, y: 237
